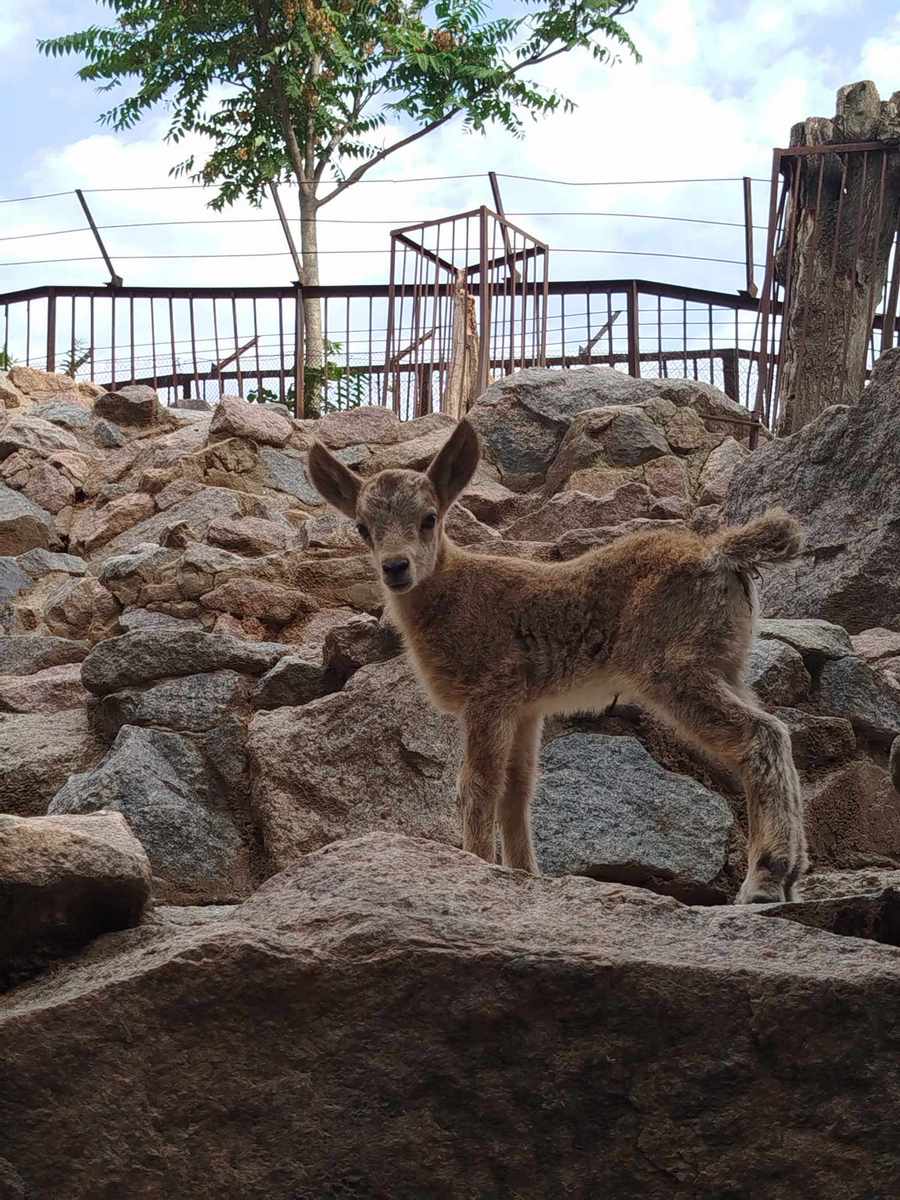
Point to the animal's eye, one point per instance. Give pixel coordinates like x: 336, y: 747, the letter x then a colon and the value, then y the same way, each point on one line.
x: 429, y: 522
x: 363, y: 531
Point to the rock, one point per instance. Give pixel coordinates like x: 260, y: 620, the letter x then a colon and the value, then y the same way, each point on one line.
x: 615, y: 436
x: 187, y: 704
x: 685, y: 431
x: 776, y: 673
x: 464, y: 528
x: 11, y: 398
x: 295, y: 679
x: 329, y: 531
x: 356, y: 946
x: 50, y: 690
x: 359, y: 643
x: 13, y: 580
x: 38, y: 752
x: 668, y: 508
x: 495, y: 504
x: 430, y: 423
x: 159, y: 782
x: 335, y: 582
x: 712, y: 406
x: 577, y: 510
x: 81, y: 608
x: 604, y: 801
x: 252, y: 536
x: 28, y: 432
x: 847, y: 687
x: 369, y: 425
x: 894, y: 764
x: 38, y: 563
x: 310, y: 632
x: 133, y: 619
x: 70, y: 416
x: 706, y: 519
x: 849, y: 572
x: 64, y: 881
x: 24, y: 654
x: 718, y: 470
x: 285, y: 471
x: 666, y: 477
x: 817, y: 641
x: 269, y: 602
x: 134, y: 404
x: 259, y: 423
x: 44, y: 386
x: 828, y: 885
x: 197, y: 512
x: 373, y: 756
x: 94, y: 527
x: 579, y: 541
x: 410, y: 455
x: 107, y: 436
x: 817, y: 741
x: 24, y: 525
x: 876, y: 917
x: 876, y: 644
x: 151, y: 654
x: 852, y: 817
x: 128, y: 575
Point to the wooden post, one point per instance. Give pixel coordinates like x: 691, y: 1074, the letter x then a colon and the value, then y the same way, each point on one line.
x: 463, y: 376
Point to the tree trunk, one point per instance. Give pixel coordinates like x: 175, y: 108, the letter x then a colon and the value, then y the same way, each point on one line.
x: 462, y: 378
x: 834, y: 254
x: 314, y: 356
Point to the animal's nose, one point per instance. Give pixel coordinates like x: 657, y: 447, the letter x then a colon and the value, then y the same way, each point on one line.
x: 395, y: 568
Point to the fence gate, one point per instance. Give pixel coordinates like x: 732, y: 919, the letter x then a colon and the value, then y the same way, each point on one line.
x: 467, y: 303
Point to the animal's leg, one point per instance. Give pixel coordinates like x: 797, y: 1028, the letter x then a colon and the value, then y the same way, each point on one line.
x: 515, y: 801
x: 717, y: 717
x: 488, y: 741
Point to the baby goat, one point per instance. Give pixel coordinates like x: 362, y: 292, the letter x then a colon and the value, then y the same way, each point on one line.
x: 663, y: 619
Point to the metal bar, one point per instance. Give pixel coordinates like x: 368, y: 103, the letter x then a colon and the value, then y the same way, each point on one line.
x: 51, y: 332
x: 890, y: 308
x: 286, y: 230
x: 299, y: 335
x: 171, y: 337
x: 218, y: 366
x: 748, y: 235
x: 837, y: 148
x: 152, y: 340
x: 498, y: 203
x: 411, y: 245
x: 606, y: 328
x: 131, y: 332
x: 634, y: 336
x: 484, y: 346
x: 259, y: 382
x: 115, y: 280
x: 281, y: 392
x: 193, y: 348
x: 392, y: 296
x: 768, y: 284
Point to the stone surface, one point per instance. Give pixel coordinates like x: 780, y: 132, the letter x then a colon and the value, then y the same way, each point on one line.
x: 608, y: 1038
x: 577, y: 510
x: 63, y: 881
x: 849, y: 688
x: 81, y: 608
x: 849, y: 571
x: 604, y: 801
x: 876, y: 917
x: 251, y: 535
x: 294, y: 680
x: 41, y: 386
x: 718, y: 469
x: 38, y: 563
x: 29, y: 432
x: 13, y: 580
x: 817, y: 741
x: 94, y: 527
x: 615, y: 436
x: 374, y: 756
x: 285, y: 471
x: 24, y: 525
x: 189, y: 703
x: 150, y: 654
x: 359, y: 643
x: 367, y: 424
x: 413, y: 454
x: 134, y: 404
x: 853, y: 818
x: 827, y: 885
x: 50, y: 690
x: 196, y: 511
x: 876, y: 644
x: 817, y: 641
x: 160, y: 783
x: 234, y: 417
x: 38, y: 753
x: 776, y: 673
x: 70, y: 416
x: 23, y: 654
x: 268, y: 602
x: 894, y: 764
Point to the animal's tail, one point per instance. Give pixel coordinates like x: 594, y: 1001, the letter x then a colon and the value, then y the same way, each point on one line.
x: 773, y: 537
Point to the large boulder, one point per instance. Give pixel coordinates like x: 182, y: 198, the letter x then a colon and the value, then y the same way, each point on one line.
x: 63, y: 881
x: 38, y: 753
x: 840, y: 476
x: 160, y: 781
x: 776, y: 673
x: 24, y: 525
x: 603, y: 802
x: 394, y: 1018
x: 373, y: 756
x: 234, y: 417
x: 50, y: 690
x: 133, y: 404
x: 23, y: 654
x: 852, y: 817
x: 616, y: 436
x: 848, y: 687
x: 31, y: 433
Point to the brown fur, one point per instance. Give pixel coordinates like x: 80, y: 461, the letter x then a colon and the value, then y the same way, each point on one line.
x: 663, y: 619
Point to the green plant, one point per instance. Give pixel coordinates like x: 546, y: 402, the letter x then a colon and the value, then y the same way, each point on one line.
x: 77, y: 356
x: 346, y: 388
x: 6, y: 360
x: 285, y: 89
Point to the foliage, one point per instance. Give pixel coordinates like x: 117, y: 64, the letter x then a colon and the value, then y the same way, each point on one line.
x: 6, y: 360
x: 346, y: 389
x: 77, y: 356
x: 290, y: 87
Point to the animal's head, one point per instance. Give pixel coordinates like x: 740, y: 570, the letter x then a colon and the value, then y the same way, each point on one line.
x: 400, y: 514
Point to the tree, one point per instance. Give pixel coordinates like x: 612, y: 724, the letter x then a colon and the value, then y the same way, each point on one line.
x: 294, y: 88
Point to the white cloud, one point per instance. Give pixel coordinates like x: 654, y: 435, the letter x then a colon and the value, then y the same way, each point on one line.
x: 880, y: 59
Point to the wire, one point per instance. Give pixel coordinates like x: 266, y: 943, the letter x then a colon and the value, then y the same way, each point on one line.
x: 43, y: 196
x: 624, y: 182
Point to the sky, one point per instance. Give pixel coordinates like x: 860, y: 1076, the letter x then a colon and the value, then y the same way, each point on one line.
x: 721, y: 83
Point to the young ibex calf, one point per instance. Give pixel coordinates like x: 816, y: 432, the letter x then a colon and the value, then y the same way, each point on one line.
x: 664, y: 619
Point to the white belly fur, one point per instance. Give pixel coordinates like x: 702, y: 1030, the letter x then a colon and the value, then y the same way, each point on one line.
x: 596, y: 695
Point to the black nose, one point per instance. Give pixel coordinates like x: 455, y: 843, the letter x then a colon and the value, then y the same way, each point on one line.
x: 395, y: 568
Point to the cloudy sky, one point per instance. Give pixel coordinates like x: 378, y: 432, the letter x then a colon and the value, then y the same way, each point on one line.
x: 721, y: 82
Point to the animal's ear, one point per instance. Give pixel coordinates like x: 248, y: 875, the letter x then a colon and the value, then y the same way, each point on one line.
x: 334, y: 481
x: 454, y: 464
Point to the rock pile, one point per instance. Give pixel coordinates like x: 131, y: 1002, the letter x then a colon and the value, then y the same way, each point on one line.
x: 198, y: 692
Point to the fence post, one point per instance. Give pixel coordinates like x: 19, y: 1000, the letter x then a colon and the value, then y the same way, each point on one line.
x: 634, y: 337
x: 51, y: 329
x: 752, y: 289
x: 299, y: 380
x: 484, y: 303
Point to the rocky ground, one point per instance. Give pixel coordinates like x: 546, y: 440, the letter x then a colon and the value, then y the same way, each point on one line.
x: 211, y: 742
